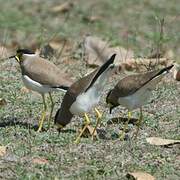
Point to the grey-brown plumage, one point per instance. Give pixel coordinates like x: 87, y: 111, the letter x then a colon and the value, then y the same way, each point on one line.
x: 44, y: 72
x: 133, y: 92
x: 41, y: 76
x: 80, y: 90
x: 63, y: 114
x: 133, y: 85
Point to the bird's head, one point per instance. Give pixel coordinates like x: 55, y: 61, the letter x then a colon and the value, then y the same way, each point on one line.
x: 20, y: 53
x: 109, y: 101
x: 62, y: 118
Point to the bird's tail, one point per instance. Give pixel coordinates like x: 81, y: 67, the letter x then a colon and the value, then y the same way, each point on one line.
x: 166, y: 69
x: 105, y: 66
x: 151, y: 83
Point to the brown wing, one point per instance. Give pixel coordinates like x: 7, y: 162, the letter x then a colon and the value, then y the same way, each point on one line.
x: 82, y: 84
x: 86, y: 82
x: 45, y: 72
x: 63, y: 115
x: 130, y: 84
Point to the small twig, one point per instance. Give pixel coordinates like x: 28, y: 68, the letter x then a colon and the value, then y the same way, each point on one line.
x: 160, y: 41
x: 61, y: 50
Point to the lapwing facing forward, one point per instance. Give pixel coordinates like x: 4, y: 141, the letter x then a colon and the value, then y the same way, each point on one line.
x: 41, y: 76
x: 134, y: 91
x: 83, y: 95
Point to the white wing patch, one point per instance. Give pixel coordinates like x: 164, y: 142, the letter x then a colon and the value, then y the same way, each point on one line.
x: 86, y: 101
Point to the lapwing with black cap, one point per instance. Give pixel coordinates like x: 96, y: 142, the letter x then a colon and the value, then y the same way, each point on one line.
x: 84, y: 95
x: 41, y: 76
x: 133, y: 92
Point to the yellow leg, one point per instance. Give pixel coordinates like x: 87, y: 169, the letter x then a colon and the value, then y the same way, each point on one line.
x: 43, y: 114
x: 52, y: 107
x: 87, y: 122
x: 99, y: 116
x: 139, y: 123
x: 125, y: 127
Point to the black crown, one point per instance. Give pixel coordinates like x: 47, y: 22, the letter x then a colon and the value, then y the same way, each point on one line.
x: 24, y: 51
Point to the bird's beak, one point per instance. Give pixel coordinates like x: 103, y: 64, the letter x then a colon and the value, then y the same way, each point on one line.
x: 16, y: 57
x: 11, y: 57
x: 110, y: 109
x: 7, y: 58
x: 59, y: 128
x: 59, y: 131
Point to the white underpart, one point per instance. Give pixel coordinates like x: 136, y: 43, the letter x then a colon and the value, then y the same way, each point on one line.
x: 35, y: 86
x: 140, y: 97
x: 86, y: 101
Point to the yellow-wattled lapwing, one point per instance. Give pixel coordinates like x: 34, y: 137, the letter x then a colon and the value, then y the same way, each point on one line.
x: 134, y: 91
x: 41, y: 76
x: 83, y: 95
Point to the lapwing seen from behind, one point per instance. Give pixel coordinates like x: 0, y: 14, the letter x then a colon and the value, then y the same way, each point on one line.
x: 84, y: 95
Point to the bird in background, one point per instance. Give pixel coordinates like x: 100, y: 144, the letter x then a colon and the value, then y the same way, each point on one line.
x: 133, y: 92
x: 83, y: 95
x: 41, y: 76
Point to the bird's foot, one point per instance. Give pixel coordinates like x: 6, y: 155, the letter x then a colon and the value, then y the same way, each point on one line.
x: 40, y: 128
x: 98, y: 113
x: 85, y: 131
x: 89, y: 131
x: 41, y: 121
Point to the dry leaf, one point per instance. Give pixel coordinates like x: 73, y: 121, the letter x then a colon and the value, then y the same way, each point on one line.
x: 176, y: 72
x: 2, y: 102
x: 58, y: 44
x: 65, y: 7
x: 98, y: 51
x: 169, y: 54
x: 4, y: 52
x: 62, y: 46
x: 47, y: 51
x: 34, y: 94
x: 95, y: 50
x: 55, y: 45
x: 92, y: 19
x: 24, y: 90
x: 140, y: 176
x: 142, y: 64
x: 41, y: 161
x: 161, y: 142
x: 95, y: 18
x: 2, y: 151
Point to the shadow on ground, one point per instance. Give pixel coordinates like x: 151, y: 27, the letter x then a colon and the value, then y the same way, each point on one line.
x: 7, y: 122
x: 118, y: 120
